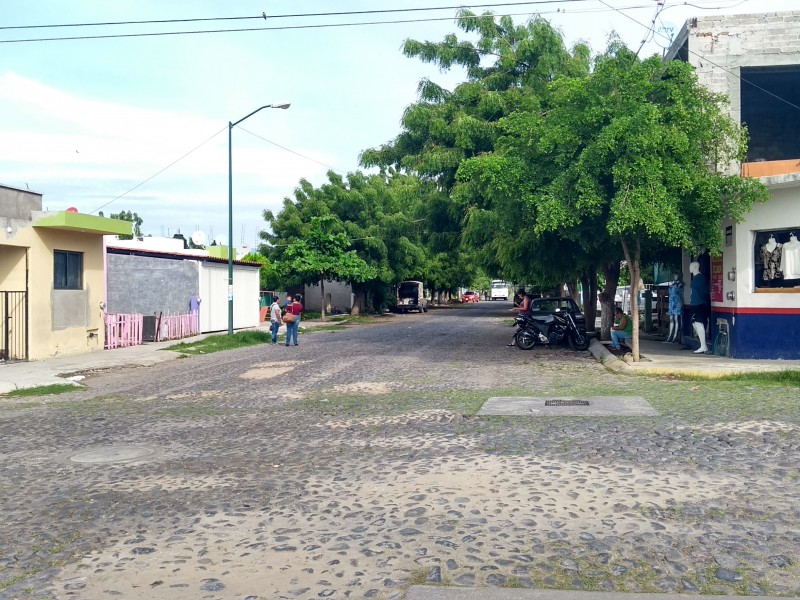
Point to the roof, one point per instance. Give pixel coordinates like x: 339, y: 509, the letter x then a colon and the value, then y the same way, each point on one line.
x: 176, y: 256
x: 16, y: 189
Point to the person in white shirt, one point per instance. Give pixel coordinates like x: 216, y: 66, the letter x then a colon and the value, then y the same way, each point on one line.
x: 275, y: 318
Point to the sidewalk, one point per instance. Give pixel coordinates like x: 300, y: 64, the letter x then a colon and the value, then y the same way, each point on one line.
x: 52, y: 371
x: 14, y: 376
x: 662, y: 359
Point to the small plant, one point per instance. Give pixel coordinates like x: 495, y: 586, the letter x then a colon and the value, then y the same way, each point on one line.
x: 44, y: 390
x: 218, y: 343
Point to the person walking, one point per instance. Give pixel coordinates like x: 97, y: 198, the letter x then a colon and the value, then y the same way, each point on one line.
x: 622, y: 329
x: 294, y: 309
x: 275, y: 318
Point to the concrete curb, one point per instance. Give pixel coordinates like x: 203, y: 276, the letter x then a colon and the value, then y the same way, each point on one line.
x: 606, y: 358
x: 419, y: 592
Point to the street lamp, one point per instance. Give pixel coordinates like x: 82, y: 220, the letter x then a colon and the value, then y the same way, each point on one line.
x: 282, y: 105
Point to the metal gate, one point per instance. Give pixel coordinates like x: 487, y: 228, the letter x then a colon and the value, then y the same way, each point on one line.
x: 13, y: 326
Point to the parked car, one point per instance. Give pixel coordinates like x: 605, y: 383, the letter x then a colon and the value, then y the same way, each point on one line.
x: 548, y: 306
x: 471, y: 297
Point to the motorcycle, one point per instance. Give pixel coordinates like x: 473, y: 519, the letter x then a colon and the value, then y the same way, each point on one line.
x: 549, y: 330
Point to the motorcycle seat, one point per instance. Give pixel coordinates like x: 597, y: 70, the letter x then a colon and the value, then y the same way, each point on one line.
x: 543, y: 319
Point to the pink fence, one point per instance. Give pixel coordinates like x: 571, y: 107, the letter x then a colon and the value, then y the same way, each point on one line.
x: 123, y: 330
x: 179, y: 326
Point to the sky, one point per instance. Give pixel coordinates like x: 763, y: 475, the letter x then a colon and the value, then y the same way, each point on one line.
x: 141, y: 123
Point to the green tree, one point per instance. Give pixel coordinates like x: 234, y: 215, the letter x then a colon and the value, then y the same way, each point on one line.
x: 509, y: 68
x: 126, y: 215
x: 323, y: 253
x: 380, y: 215
x: 637, y: 155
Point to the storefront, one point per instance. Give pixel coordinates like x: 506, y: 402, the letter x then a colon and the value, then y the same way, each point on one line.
x: 755, y: 284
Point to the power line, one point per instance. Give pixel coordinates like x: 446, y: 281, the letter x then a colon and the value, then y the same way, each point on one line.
x: 709, y: 61
x: 265, y: 16
x: 138, y: 185
x: 292, y: 151
x: 308, y: 26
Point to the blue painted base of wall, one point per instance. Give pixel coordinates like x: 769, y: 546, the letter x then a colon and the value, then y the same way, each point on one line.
x: 758, y: 336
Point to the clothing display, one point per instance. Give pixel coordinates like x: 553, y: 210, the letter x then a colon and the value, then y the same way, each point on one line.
x: 790, y: 259
x: 675, y: 298
x: 771, y: 258
x: 699, y: 294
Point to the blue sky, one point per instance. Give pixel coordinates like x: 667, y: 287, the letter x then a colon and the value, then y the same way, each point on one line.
x: 85, y: 121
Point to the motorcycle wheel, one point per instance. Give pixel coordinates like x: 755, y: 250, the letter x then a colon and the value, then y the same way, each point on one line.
x: 579, y: 340
x: 525, y: 339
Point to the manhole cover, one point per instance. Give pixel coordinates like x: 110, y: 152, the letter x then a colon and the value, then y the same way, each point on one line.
x: 566, y: 403
x: 567, y: 406
x: 109, y: 454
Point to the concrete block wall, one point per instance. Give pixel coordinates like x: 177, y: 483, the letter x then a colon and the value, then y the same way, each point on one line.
x: 720, y: 45
x: 148, y: 285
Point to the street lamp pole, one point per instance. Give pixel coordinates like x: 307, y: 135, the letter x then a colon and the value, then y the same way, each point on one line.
x: 282, y: 105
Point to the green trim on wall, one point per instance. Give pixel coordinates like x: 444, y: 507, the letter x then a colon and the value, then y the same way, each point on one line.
x: 72, y: 221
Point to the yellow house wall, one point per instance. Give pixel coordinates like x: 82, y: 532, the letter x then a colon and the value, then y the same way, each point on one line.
x: 45, y: 338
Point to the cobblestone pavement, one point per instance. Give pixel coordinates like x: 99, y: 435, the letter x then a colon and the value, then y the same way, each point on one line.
x: 352, y: 466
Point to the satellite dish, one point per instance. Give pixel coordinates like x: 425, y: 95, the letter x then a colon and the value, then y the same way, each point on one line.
x: 199, y: 238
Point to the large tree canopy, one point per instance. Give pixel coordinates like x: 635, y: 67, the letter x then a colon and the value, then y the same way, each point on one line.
x: 635, y: 156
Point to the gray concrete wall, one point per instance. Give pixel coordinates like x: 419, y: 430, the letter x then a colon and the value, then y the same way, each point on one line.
x: 147, y: 285
x: 15, y: 209
x: 720, y: 45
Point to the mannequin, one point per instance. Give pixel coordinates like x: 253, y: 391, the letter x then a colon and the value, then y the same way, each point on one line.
x: 675, y: 310
x: 699, y: 305
x: 790, y: 258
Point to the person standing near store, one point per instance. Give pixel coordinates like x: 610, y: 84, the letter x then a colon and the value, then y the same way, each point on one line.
x: 275, y: 318
x: 294, y: 309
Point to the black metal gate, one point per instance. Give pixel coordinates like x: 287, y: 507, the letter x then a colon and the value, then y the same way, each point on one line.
x: 13, y: 326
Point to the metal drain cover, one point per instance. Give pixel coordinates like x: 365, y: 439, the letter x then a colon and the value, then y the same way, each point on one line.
x: 567, y: 406
x: 111, y: 454
x: 560, y: 402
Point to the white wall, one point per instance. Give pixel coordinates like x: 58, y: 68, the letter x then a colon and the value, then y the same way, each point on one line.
x: 214, y: 297
x: 782, y: 211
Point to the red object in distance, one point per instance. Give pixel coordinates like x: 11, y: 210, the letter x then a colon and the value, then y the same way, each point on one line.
x: 72, y: 209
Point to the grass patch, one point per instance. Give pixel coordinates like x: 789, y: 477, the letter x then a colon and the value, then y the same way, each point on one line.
x: 785, y: 378
x: 44, y: 390
x: 220, y: 343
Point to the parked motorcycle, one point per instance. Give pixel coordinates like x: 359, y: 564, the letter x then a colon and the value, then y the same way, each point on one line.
x: 548, y: 330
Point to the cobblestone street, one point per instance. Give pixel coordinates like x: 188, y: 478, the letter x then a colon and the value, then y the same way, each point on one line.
x: 353, y: 466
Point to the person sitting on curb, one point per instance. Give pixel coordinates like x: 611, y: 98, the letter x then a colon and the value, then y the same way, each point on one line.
x: 622, y: 329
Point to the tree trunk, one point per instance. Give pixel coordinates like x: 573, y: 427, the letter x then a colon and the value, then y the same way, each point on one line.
x: 572, y: 289
x: 634, y: 269
x: 611, y: 273
x: 359, y: 300
x: 322, y: 298
x: 589, y: 299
